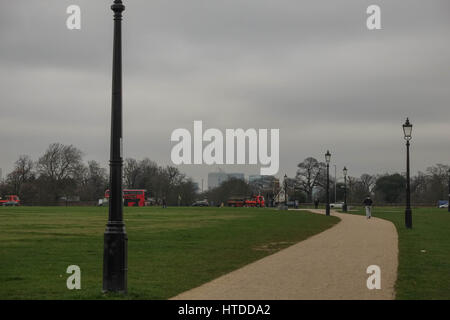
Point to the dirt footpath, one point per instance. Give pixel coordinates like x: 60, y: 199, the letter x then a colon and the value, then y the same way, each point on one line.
x: 329, y: 265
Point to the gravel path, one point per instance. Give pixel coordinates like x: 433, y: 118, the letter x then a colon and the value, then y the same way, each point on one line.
x: 329, y: 265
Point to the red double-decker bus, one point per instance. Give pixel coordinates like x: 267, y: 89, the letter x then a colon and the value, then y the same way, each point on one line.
x: 132, y: 197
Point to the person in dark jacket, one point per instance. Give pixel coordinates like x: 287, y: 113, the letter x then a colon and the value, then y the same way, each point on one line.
x: 368, y: 204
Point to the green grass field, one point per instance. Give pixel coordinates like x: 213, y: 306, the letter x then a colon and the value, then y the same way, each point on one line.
x: 169, y: 250
x: 424, y: 252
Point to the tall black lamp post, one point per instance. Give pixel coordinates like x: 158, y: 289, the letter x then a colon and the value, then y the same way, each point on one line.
x: 407, y: 129
x: 285, y: 191
x: 448, y: 203
x: 327, y: 159
x: 115, y: 265
x: 344, y: 206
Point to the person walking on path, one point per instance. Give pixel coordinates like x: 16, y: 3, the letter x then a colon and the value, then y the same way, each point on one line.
x: 368, y: 204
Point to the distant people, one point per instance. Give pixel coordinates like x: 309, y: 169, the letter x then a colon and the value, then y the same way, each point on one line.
x: 368, y: 204
x: 316, y: 203
x: 164, y: 204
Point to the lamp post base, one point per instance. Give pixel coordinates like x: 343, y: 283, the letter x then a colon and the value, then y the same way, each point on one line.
x: 115, y: 265
x: 408, y: 218
x: 344, y: 208
x: 327, y: 210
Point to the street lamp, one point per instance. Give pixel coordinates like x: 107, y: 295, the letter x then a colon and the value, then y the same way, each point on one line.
x: 344, y: 206
x: 285, y: 191
x: 448, y: 203
x: 327, y: 159
x: 115, y: 265
x: 407, y: 129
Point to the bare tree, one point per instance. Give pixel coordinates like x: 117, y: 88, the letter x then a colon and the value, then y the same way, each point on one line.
x: 359, y: 188
x: 160, y: 182
x: 22, y: 173
x: 368, y: 182
x: 436, y: 186
x: 60, y: 168
x: 308, y: 175
x: 94, y: 182
x: 351, y: 186
x: 149, y: 175
x: 131, y: 173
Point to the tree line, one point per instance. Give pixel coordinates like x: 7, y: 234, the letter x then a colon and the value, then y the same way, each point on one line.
x: 61, y: 173
x: 309, y: 184
x: 426, y: 187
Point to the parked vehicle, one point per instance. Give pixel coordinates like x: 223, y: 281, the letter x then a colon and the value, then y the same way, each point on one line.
x: 443, y: 204
x: 337, y: 205
x: 255, y: 201
x: 10, y: 201
x: 201, y: 203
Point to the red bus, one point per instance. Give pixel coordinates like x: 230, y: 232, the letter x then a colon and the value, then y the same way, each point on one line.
x: 10, y: 201
x: 132, y: 197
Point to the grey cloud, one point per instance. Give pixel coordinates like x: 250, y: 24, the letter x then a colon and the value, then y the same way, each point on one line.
x: 309, y: 68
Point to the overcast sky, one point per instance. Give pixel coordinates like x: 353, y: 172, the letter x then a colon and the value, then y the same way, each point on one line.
x: 310, y: 68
